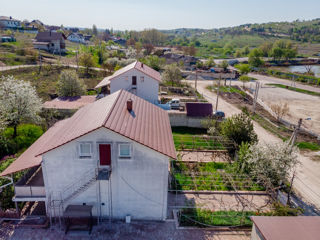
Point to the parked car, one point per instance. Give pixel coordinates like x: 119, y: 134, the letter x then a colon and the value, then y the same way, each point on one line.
x: 219, y: 115
x: 176, y: 104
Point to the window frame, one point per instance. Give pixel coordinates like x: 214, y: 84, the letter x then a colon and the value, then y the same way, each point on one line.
x: 119, y: 150
x: 90, y: 155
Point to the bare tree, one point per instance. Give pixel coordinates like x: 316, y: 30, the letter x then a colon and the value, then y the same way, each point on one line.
x: 308, y: 68
x: 280, y: 109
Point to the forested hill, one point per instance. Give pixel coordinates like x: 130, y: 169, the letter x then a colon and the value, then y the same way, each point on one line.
x: 304, y: 31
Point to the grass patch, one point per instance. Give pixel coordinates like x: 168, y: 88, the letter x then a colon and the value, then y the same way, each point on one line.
x: 309, y: 146
x: 295, y: 89
x: 212, y: 176
x: 226, y: 89
x: 276, y: 130
x: 203, y: 217
x: 194, y: 138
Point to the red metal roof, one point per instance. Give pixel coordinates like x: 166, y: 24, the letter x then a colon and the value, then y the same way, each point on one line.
x: 147, y: 124
x: 288, y: 228
x: 69, y: 102
x: 135, y: 65
x: 29, y: 159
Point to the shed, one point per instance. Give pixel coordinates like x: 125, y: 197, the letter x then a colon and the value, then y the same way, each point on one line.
x: 198, y: 109
x: 285, y: 228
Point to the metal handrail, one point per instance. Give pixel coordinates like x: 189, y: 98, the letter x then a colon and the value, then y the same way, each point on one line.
x: 78, y: 183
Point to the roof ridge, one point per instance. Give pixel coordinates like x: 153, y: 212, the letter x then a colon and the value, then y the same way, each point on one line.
x: 111, y: 109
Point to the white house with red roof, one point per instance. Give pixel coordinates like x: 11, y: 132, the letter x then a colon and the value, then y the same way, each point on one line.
x: 136, y: 78
x: 112, y: 156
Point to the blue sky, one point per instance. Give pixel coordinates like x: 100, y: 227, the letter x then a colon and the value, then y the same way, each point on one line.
x: 161, y: 14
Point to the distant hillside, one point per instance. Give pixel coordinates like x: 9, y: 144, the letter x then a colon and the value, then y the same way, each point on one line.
x: 304, y: 31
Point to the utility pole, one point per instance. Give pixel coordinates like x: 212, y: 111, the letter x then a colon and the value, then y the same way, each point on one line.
x: 218, y: 91
x: 40, y: 59
x: 290, y: 190
x: 256, y: 96
x: 77, y: 58
x: 196, y: 80
x: 293, y: 138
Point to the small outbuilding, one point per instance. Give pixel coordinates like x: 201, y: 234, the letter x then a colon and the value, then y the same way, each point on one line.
x: 285, y: 228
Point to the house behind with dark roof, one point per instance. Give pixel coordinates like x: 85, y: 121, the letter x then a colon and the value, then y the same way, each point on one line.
x: 50, y: 41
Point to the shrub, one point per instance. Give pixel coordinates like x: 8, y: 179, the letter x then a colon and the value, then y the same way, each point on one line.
x: 26, y: 135
x: 69, y: 84
x: 239, y: 128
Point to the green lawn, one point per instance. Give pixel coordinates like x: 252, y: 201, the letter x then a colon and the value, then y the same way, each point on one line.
x: 212, y: 176
x: 194, y: 217
x: 196, y: 139
x: 309, y: 145
x: 294, y: 89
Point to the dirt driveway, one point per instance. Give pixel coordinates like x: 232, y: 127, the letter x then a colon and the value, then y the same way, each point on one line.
x: 308, y: 173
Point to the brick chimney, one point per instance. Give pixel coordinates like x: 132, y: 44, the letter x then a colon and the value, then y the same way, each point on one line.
x: 142, y: 65
x: 129, y: 105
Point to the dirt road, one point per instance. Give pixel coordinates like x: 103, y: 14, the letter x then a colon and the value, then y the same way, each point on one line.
x: 284, y: 82
x: 301, y: 105
x: 307, y: 182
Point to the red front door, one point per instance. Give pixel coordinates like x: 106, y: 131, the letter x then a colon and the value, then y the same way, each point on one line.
x: 105, y: 154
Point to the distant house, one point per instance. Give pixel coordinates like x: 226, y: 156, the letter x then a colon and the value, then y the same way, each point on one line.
x: 120, y: 41
x: 187, y: 61
x: 136, y: 78
x: 285, y: 228
x: 9, y: 23
x: 77, y: 38
x: 87, y: 37
x: 8, y: 39
x: 50, y: 41
x: 110, y: 159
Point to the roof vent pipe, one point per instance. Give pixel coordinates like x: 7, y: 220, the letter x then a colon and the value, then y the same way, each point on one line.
x: 129, y: 105
x: 142, y: 65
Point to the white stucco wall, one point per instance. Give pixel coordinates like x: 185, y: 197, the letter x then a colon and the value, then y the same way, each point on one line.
x: 139, y: 185
x: 148, y: 89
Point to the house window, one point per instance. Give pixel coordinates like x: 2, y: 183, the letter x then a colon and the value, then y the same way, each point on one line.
x: 85, y: 150
x: 141, y: 79
x: 124, y: 150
